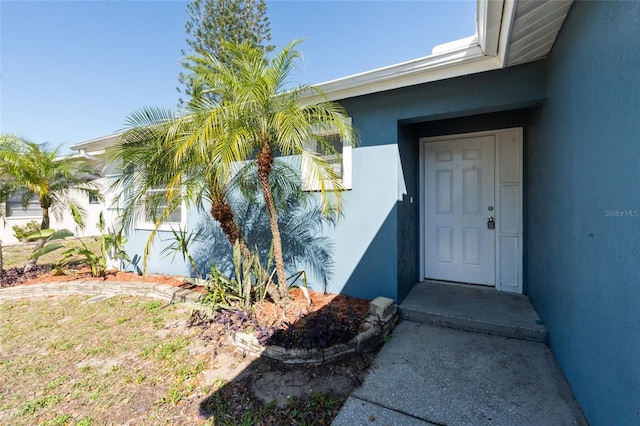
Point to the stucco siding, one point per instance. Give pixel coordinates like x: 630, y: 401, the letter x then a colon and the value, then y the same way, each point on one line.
x: 583, y: 214
x: 389, y: 124
x: 375, y: 243
x: 60, y: 219
x: 168, y: 263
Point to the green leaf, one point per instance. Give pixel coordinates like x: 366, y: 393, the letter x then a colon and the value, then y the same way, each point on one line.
x: 60, y: 235
x: 101, y: 223
x: 77, y: 216
x: 40, y: 235
x: 46, y: 249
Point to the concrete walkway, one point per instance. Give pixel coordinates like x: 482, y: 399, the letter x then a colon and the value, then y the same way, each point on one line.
x: 431, y: 375
x: 474, y: 308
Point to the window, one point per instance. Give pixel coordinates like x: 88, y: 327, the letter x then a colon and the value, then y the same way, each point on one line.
x: 336, y: 152
x: 94, y: 199
x: 152, y: 212
x: 15, y: 208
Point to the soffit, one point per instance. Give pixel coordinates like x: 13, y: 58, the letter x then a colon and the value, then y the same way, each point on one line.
x: 509, y: 32
x: 535, y: 26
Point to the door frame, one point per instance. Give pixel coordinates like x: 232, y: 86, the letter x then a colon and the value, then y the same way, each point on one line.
x: 508, y: 204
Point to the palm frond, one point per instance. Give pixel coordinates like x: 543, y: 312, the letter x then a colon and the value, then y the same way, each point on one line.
x: 38, y: 170
x: 241, y: 105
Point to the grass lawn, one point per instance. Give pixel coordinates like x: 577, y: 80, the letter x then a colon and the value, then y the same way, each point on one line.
x: 121, y: 360
x: 17, y: 255
x: 134, y: 360
x: 128, y: 360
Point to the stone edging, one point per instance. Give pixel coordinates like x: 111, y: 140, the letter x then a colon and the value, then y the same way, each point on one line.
x: 381, y: 317
x: 156, y: 291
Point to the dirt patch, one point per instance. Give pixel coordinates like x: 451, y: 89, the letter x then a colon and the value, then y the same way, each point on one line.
x: 273, y: 381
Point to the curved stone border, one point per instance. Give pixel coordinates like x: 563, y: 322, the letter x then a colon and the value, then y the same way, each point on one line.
x: 107, y: 288
x: 381, y: 317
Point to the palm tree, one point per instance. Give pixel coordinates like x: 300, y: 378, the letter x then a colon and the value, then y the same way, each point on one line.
x: 37, y: 171
x: 146, y: 154
x: 5, y: 192
x: 258, y: 117
x: 200, y: 155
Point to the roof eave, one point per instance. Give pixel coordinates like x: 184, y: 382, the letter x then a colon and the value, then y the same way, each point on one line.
x: 489, y: 25
x: 97, y: 145
x: 441, y: 66
x: 484, y: 52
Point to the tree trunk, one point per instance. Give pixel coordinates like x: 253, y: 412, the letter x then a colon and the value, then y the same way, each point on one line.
x: 222, y: 212
x: 45, y: 218
x: 31, y: 264
x: 265, y: 163
x: 1, y: 261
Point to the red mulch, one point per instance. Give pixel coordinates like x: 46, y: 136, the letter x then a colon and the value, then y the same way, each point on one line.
x: 84, y: 274
x: 266, y: 312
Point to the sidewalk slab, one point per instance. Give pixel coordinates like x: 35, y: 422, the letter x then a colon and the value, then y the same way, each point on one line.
x: 453, y: 377
x: 357, y: 412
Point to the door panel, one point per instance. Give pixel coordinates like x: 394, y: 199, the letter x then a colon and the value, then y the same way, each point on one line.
x: 459, y: 198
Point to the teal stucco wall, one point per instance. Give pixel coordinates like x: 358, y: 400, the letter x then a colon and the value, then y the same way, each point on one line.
x: 583, y: 215
x: 377, y: 242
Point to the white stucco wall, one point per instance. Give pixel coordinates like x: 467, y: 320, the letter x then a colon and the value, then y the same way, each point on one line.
x: 66, y: 221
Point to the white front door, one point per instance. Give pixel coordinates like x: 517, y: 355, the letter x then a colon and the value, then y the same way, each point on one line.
x: 459, y: 210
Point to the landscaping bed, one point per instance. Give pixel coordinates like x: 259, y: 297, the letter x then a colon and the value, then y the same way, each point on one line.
x: 206, y: 380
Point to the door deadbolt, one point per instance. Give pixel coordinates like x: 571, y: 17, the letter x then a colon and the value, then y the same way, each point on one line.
x: 491, y: 224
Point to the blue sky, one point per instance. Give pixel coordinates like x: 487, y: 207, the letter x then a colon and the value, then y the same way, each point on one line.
x: 73, y: 70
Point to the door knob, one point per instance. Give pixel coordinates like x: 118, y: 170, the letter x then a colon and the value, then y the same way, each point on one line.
x: 491, y: 223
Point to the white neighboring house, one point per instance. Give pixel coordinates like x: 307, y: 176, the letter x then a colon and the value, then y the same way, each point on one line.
x: 15, y: 214
x: 95, y: 150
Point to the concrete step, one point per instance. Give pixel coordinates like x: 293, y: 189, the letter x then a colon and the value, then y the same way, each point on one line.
x: 475, y: 309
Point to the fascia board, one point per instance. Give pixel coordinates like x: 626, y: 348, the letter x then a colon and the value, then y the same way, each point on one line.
x: 98, y: 144
x: 504, y: 32
x: 489, y: 23
x: 451, y: 64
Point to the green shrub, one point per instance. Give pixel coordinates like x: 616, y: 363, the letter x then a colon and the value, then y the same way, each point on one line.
x: 247, y: 286
x: 21, y: 232
x: 50, y: 237
x: 111, y: 247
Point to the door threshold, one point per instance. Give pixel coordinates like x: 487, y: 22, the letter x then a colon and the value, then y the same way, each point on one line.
x: 460, y: 284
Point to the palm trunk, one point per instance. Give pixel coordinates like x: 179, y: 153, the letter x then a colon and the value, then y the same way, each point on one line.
x: 265, y: 163
x: 221, y: 211
x: 45, y: 218
x: 31, y: 264
x: 1, y: 261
